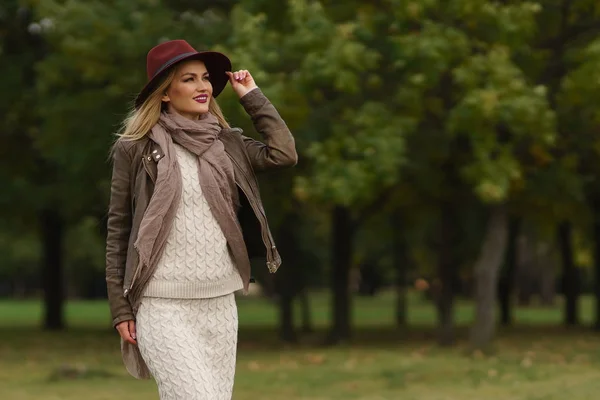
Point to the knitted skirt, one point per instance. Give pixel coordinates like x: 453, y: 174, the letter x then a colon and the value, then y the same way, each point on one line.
x: 189, y: 346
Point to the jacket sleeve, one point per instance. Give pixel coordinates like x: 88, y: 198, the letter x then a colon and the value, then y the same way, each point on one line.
x: 278, y: 149
x: 117, y: 239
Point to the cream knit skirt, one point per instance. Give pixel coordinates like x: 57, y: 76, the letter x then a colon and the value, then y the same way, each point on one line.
x: 189, y: 346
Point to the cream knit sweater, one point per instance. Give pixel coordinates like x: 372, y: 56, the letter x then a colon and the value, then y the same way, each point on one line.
x: 196, y: 262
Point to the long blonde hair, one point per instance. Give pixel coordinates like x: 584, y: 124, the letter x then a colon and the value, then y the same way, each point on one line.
x: 139, y: 122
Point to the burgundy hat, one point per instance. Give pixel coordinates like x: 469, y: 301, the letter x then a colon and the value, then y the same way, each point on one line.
x: 160, y: 58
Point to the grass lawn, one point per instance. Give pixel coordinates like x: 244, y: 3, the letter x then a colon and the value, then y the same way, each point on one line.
x: 535, y: 360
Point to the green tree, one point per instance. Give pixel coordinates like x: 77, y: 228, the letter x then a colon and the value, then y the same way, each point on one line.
x: 320, y: 86
x: 28, y: 197
x: 476, y: 114
x: 570, y: 44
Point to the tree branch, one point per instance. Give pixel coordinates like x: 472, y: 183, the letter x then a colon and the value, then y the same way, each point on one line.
x: 592, y: 29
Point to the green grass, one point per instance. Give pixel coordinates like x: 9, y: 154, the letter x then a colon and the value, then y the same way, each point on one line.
x: 535, y: 360
x: 258, y: 312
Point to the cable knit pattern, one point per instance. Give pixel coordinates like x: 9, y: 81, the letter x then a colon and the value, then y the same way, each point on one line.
x: 196, y: 262
x: 189, y: 346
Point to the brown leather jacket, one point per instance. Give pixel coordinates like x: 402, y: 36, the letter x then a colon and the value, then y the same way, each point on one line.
x: 133, y: 177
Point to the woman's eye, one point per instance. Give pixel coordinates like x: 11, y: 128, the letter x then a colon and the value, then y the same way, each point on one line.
x: 188, y: 79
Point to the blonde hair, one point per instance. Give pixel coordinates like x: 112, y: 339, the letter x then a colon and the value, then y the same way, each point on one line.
x: 139, y: 122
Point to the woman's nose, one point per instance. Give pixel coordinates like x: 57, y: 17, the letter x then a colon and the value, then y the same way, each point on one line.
x: 203, y: 85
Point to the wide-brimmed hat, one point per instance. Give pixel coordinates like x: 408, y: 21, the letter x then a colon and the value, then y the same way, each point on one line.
x: 164, y: 56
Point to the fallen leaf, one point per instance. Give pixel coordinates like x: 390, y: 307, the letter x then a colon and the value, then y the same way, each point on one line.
x: 315, y: 358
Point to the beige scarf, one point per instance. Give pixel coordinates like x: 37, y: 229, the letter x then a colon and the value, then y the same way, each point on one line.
x: 215, y: 170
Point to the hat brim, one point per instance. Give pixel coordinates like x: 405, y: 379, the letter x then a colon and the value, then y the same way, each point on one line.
x: 216, y: 63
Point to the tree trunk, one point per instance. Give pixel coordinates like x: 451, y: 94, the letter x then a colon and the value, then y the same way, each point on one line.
x: 286, y: 318
x: 570, y: 279
x: 524, y: 277
x: 525, y: 295
x: 400, y: 257
x: 342, y: 232
x: 307, y: 326
x: 547, y: 271
x: 443, y: 291
x: 596, y: 210
x: 287, y: 281
x: 445, y: 304
x: 505, y: 289
x: 52, y: 232
x: 486, y: 278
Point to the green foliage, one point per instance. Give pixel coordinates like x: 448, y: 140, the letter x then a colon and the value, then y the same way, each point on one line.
x: 578, y: 108
x: 21, y: 255
x: 359, y: 158
x: 463, y: 84
x: 497, y: 97
x: 326, y: 83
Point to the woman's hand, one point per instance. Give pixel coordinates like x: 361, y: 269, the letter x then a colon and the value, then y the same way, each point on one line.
x: 241, y: 82
x: 127, y: 331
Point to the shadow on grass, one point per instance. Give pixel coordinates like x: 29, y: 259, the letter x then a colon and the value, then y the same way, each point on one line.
x: 267, y: 338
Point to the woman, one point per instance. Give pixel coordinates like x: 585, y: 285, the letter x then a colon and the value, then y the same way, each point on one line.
x: 184, y: 210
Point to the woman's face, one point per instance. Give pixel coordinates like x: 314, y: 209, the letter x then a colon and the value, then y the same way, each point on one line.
x: 190, y: 92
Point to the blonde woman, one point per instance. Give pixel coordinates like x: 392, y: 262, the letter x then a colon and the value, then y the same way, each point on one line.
x: 184, y: 210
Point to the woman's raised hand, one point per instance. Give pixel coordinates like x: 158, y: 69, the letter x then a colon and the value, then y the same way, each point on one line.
x: 241, y: 82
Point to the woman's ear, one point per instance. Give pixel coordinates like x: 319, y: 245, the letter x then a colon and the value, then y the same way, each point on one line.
x: 166, y: 98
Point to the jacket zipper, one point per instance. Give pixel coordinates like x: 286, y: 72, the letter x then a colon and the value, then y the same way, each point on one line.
x: 247, y: 181
x: 146, y: 168
x: 135, y: 275
x: 261, y: 229
x: 137, y: 270
x: 266, y: 241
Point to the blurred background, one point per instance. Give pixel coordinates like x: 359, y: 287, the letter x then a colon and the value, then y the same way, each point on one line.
x: 440, y: 234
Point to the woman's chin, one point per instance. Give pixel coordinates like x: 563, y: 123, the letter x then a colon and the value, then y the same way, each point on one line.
x: 203, y: 109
